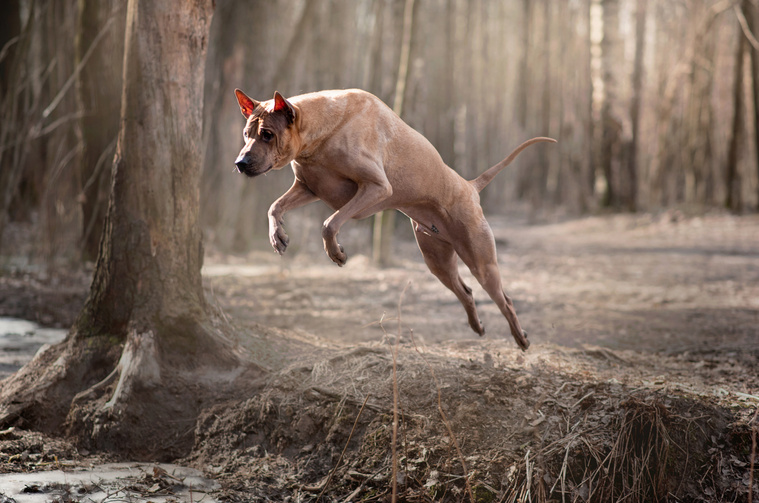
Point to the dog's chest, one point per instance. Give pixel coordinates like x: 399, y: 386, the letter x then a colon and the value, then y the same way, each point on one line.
x: 332, y: 188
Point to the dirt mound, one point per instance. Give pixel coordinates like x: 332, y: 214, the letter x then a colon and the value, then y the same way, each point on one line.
x: 541, y: 424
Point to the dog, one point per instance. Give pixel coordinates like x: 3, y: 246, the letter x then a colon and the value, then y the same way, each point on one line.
x: 350, y: 150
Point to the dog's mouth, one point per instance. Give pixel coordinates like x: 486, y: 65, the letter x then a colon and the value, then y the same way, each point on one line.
x: 252, y: 173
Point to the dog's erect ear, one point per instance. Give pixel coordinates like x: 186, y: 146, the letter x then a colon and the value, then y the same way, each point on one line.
x: 282, y: 105
x: 247, y: 105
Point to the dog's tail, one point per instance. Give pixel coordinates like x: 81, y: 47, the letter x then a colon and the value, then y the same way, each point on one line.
x: 484, y: 179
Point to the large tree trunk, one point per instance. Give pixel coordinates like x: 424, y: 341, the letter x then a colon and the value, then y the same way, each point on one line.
x: 142, y: 358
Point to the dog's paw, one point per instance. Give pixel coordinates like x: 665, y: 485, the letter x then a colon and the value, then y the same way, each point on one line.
x: 337, y: 254
x: 278, y: 239
x: 524, y: 343
x: 478, y: 327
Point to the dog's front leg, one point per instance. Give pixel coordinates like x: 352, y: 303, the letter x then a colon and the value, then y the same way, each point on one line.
x: 298, y: 195
x: 368, y: 195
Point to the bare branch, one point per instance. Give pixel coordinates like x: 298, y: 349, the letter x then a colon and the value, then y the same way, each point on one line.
x: 744, y: 26
x: 56, y: 101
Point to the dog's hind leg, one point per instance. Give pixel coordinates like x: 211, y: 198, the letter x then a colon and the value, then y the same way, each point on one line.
x: 479, y: 254
x: 441, y: 260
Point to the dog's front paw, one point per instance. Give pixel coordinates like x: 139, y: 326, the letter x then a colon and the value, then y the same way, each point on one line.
x: 278, y: 239
x: 336, y: 253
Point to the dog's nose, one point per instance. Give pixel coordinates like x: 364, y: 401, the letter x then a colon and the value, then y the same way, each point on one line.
x: 242, y: 162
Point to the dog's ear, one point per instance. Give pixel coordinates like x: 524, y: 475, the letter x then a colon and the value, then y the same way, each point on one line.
x: 282, y: 105
x: 247, y: 105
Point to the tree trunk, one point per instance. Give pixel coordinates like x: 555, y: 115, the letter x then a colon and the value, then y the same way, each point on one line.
x: 384, y: 222
x: 100, y: 30
x: 142, y: 353
x: 732, y: 176
x: 699, y: 121
x: 16, y: 113
x: 611, y: 50
x: 10, y: 29
x: 542, y: 170
x: 631, y: 198
x: 523, y: 89
x: 751, y: 11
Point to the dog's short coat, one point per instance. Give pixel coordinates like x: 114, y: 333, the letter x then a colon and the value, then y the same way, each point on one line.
x: 353, y: 152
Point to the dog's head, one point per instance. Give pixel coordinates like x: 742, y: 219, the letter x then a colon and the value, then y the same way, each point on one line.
x: 269, y: 134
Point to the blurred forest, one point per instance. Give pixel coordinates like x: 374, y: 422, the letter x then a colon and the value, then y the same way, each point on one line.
x: 655, y: 103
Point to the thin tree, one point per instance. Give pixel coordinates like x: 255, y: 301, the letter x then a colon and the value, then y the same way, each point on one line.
x: 99, y: 47
x: 635, y: 105
x: 384, y: 222
x: 750, y: 11
x: 142, y: 357
x: 732, y: 175
x: 610, y: 121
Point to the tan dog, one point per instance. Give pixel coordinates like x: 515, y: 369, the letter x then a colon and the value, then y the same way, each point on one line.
x: 353, y: 152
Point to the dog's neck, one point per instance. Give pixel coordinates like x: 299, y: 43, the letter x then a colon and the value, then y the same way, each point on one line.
x: 316, y: 119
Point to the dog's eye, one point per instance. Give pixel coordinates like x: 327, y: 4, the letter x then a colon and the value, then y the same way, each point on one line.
x: 266, y: 135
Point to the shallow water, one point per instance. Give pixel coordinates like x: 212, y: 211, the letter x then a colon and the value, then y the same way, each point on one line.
x: 20, y: 340
x: 138, y: 482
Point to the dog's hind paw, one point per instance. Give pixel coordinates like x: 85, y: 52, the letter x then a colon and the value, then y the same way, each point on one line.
x: 524, y: 343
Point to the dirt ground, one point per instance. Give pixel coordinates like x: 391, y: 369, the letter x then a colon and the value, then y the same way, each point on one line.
x: 642, y: 380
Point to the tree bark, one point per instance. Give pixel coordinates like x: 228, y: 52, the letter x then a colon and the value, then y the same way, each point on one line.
x: 142, y: 351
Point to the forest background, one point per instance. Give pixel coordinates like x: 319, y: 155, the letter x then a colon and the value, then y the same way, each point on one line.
x: 653, y: 102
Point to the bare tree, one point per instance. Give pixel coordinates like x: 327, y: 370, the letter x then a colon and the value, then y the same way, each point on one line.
x: 143, y: 350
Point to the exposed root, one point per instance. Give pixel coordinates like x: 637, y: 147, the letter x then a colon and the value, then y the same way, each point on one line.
x: 138, y: 367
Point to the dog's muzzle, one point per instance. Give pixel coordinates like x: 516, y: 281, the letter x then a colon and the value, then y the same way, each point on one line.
x: 247, y: 167
x: 243, y: 162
